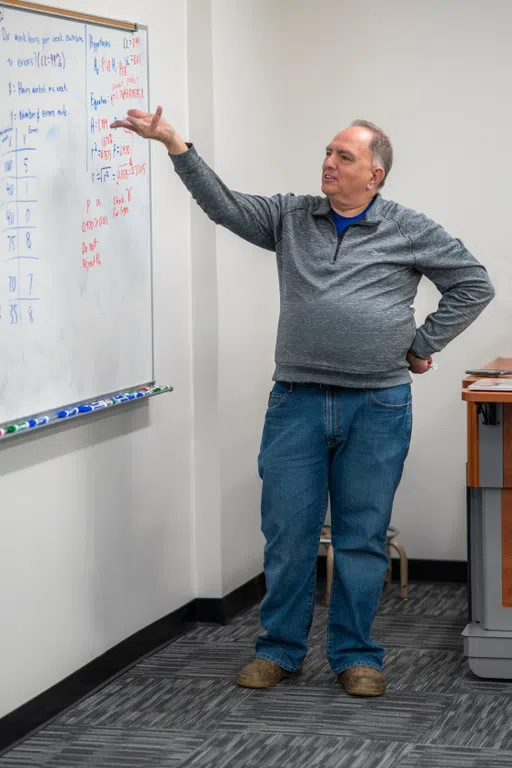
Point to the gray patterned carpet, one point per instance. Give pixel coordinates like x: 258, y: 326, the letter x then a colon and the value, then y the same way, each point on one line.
x: 180, y: 707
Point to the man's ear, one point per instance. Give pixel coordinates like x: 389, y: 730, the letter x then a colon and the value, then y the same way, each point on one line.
x: 377, y: 177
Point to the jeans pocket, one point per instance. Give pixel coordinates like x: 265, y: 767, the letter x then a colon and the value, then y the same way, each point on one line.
x: 395, y: 398
x: 278, y: 396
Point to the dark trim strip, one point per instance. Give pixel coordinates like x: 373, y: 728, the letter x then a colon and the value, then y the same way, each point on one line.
x: 222, y: 610
x: 434, y: 570
x: 423, y: 570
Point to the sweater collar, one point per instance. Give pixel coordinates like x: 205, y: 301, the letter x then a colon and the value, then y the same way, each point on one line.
x: 372, y: 217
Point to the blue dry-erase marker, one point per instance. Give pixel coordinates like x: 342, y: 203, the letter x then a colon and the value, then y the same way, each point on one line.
x: 85, y: 408
x: 68, y: 412
x: 38, y: 422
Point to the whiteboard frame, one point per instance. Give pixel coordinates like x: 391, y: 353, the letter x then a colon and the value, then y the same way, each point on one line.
x: 137, y: 27
x: 151, y: 261
x: 65, y: 13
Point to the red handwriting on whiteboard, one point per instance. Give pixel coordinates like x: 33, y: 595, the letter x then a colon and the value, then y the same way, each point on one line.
x: 131, y: 169
x: 121, y: 203
x: 95, y: 261
x: 94, y: 223
x: 90, y: 255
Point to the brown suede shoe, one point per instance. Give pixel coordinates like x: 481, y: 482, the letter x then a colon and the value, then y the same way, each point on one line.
x: 262, y: 673
x: 363, y: 681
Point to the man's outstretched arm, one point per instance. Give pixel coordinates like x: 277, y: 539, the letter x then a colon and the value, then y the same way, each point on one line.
x: 252, y: 217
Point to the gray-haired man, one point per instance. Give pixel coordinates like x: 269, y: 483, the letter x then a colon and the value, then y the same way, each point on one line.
x: 338, y: 421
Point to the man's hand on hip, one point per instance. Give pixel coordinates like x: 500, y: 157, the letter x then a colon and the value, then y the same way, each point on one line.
x: 417, y: 365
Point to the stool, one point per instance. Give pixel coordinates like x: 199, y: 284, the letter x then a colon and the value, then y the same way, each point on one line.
x: 391, y: 542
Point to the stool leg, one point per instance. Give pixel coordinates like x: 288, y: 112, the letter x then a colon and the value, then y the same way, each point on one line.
x: 404, y: 568
x: 330, y: 569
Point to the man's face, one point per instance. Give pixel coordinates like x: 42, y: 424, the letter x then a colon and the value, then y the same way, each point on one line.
x: 348, y: 169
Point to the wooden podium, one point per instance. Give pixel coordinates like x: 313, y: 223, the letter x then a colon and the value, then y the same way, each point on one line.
x: 488, y: 635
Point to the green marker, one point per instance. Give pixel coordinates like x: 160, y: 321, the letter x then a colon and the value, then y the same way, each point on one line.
x: 18, y: 427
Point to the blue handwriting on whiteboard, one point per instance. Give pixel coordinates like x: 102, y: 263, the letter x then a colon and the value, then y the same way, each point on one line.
x: 97, y: 102
x: 26, y: 37
x: 69, y: 38
x: 40, y: 114
x: 95, y: 45
x: 103, y: 175
x: 44, y: 60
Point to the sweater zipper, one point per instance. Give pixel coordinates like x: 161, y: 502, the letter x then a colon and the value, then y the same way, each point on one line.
x: 338, y: 245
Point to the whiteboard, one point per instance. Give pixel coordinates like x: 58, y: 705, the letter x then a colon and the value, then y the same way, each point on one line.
x: 75, y: 239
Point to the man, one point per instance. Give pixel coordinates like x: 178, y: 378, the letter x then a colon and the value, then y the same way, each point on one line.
x: 338, y: 422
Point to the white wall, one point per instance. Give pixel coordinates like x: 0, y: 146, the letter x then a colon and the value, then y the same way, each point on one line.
x: 205, y: 326
x: 96, y: 534
x: 248, y: 83
x: 232, y: 282
x: 435, y: 76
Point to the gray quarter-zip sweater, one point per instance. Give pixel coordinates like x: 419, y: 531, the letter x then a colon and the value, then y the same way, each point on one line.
x: 346, y: 315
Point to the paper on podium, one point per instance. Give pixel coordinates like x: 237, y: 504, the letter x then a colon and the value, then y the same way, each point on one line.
x: 504, y: 385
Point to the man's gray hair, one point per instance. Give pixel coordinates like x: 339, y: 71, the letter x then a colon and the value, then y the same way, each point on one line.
x: 380, y: 147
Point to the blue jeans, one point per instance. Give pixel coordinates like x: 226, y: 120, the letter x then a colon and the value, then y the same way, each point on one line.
x: 350, y: 445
